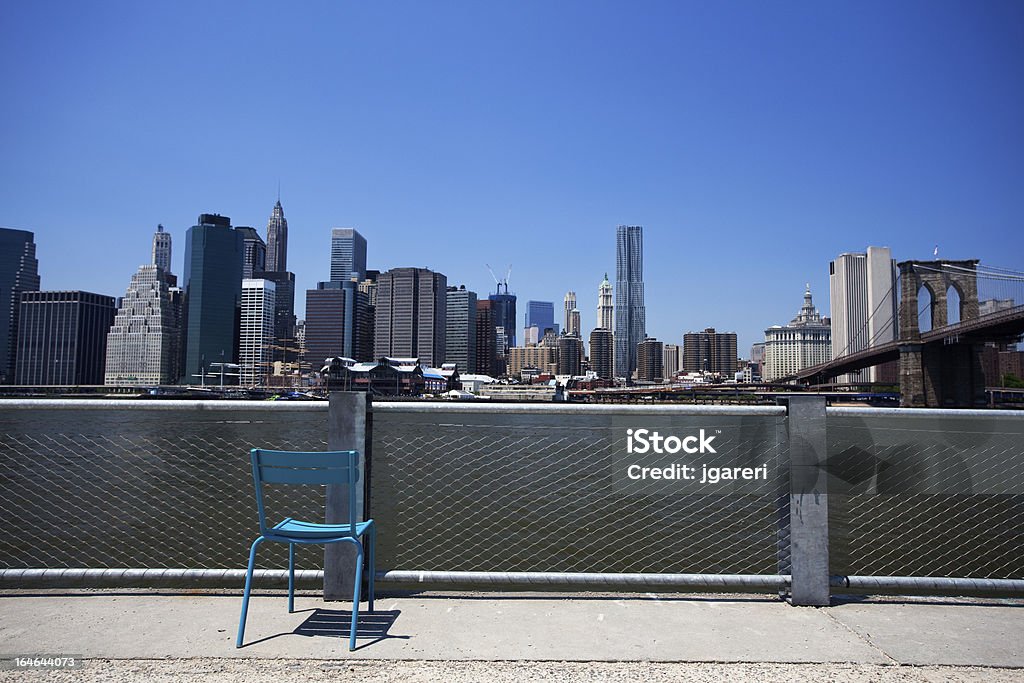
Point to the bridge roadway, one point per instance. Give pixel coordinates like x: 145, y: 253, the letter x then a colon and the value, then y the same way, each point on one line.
x: 1001, y: 324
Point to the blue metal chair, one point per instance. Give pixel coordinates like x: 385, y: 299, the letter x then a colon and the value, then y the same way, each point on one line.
x: 327, y: 467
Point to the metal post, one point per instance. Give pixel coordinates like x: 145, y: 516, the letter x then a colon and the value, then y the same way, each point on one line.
x: 808, y: 501
x: 346, y: 431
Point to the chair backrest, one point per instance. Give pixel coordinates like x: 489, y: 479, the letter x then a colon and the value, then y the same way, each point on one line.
x: 303, y: 467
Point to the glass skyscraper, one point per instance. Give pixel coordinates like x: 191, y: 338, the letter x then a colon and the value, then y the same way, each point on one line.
x: 348, y: 255
x: 630, y: 318
x: 19, y: 272
x: 541, y: 314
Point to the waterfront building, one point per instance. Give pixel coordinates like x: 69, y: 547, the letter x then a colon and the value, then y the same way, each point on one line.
x: 710, y: 351
x: 62, y: 338
x: 601, y: 351
x: 254, y: 252
x: 806, y: 341
x: 348, y: 255
x: 161, y: 255
x: 670, y: 360
x: 277, y: 240
x: 605, y: 305
x: 460, y: 328
x: 862, y: 290
x: 630, y: 315
x: 650, y: 355
x: 410, y: 315
x: 143, y: 345
x: 213, y: 291
x: 256, y: 337
x: 19, y: 272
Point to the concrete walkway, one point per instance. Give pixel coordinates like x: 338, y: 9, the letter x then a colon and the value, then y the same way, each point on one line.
x: 739, y: 629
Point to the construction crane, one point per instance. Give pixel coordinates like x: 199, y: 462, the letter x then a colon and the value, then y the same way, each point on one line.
x: 498, y: 282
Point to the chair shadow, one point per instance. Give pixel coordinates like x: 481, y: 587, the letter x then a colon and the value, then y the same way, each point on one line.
x: 331, y: 623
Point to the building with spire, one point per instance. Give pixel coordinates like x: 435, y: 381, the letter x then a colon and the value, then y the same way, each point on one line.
x: 630, y: 315
x: 277, y: 239
x: 804, y: 342
x: 605, y: 307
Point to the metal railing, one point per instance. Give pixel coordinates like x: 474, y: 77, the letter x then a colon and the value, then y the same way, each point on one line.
x: 498, y: 495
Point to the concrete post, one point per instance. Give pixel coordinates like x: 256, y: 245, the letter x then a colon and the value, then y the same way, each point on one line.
x: 808, y: 501
x: 346, y: 431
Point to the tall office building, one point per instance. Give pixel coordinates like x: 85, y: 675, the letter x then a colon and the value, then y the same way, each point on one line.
x: 19, y: 272
x: 650, y: 356
x: 348, y: 255
x: 284, y: 345
x: 540, y: 317
x: 254, y: 253
x: 601, y: 352
x: 277, y: 240
x: 460, y: 329
x: 605, y: 307
x: 143, y: 345
x: 806, y: 341
x: 410, y: 315
x: 630, y: 316
x: 486, y: 342
x: 862, y: 291
x: 325, y: 323
x: 213, y: 291
x: 569, y: 305
x: 504, y: 309
x: 256, y: 335
x: 570, y: 358
x: 670, y: 361
x: 710, y: 351
x: 62, y: 338
x: 162, y: 249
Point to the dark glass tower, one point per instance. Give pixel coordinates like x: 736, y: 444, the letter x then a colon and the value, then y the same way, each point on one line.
x: 348, y: 255
x: 541, y: 314
x: 19, y: 272
x: 62, y: 337
x: 630, y: 318
x: 213, y: 291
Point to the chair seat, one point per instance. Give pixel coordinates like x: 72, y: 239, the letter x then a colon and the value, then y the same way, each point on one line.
x: 295, y: 528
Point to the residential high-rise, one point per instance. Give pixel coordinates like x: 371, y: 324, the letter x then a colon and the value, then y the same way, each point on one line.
x: 804, y: 342
x: 605, y: 307
x: 569, y: 304
x: 143, y: 343
x: 162, y: 249
x: 213, y: 291
x: 601, y: 352
x: 410, y: 315
x: 277, y: 240
x: 710, y: 351
x: 486, y: 342
x: 630, y: 316
x: 254, y: 253
x: 348, y: 255
x: 543, y: 359
x: 862, y: 290
x: 256, y: 335
x: 62, y: 338
x: 569, y: 357
x: 670, y: 361
x: 460, y: 329
x: 650, y: 355
x: 19, y: 272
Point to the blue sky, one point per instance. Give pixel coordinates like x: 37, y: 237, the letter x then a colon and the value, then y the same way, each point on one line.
x: 753, y: 141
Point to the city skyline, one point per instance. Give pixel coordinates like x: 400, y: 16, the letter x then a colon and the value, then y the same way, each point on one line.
x: 744, y: 153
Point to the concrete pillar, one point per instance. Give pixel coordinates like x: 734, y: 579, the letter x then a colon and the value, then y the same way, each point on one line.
x: 911, y: 376
x: 346, y: 431
x: 808, y: 501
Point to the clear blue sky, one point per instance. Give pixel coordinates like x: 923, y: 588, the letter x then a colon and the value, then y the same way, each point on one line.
x: 753, y: 141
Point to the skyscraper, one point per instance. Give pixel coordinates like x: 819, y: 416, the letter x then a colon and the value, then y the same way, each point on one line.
x: 19, y: 272
x: 804, y: 342
x: 143, y: 343
x: 325, y: 323
x: 254, y: 253
x: 862, y: 290
x: 630, y: 316
x: 486, y: 342
x: 256, y: 335
x: 670, y: 362
x: 348, y: 255
x: 605, y: 308
x: 213, y: 291
x: 601, y: 352
x: 410, y: 316
x: 62, y: 337
x: 284, y: 347
x: 277, y: 240
x: 162, y: 249
x: 650, y: 358
x: 504, y: 308
x: 710, y: 351
x: 460, y: 329
x: 569, y: 304
x: 541, y: 315
x: 570, y: 357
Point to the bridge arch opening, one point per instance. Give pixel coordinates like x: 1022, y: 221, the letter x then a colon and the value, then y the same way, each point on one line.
x: 954, y: 305
x: 925, y: 304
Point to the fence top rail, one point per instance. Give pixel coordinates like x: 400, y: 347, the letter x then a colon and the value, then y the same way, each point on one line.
x: 856, y: 411
x: 161, y: 404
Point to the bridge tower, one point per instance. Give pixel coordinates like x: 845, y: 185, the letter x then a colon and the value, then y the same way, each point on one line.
x: 933, y: 375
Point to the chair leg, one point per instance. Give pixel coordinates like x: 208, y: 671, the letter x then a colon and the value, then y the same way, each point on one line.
x: 248, y: 589
x: 372, y: 566
x: 291, y: 578
x: 355, y: 596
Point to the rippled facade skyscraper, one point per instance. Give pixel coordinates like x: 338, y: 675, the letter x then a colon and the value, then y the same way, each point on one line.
x: 630, y: 317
